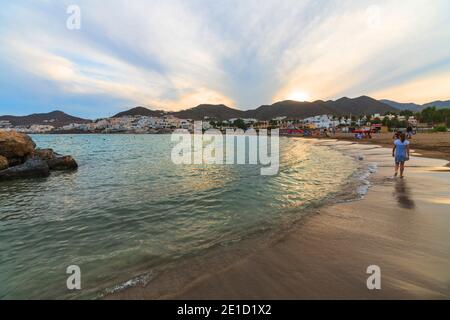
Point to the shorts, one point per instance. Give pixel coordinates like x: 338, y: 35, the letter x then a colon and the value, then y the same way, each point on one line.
x: 401, y: 158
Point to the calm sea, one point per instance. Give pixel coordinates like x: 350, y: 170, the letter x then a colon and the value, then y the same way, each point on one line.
x: 129, y: 209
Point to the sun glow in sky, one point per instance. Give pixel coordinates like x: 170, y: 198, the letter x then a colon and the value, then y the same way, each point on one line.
x: 299, y: 96
x: 175, y: 54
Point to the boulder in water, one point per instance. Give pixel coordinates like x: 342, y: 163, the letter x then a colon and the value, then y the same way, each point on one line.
x: 32, y: 168
x: 56, y: 161
x: 45, y: 154
x: 62, y: 163
x: 20, y: 159
x: 4, y: 164
x: 16, y: 147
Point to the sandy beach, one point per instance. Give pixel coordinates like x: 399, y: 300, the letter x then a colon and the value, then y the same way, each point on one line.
x: 431, y: 145
x: 401, y: 225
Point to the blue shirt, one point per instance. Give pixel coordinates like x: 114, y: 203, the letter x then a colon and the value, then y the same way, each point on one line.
x: 400, y: 149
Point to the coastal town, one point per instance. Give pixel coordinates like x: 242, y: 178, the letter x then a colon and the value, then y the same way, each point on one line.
x: 165, y: 124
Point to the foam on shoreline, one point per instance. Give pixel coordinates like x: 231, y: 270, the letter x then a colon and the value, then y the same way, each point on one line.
x: 400, y: 225
x: 356, y: 188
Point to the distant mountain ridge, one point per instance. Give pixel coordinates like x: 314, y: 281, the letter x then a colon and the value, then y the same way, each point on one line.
x: 290, y: 109
x: 417, y: 107
x: 54, y: 118
x: 438, y: 104
x: 140, y: 111
x: 219, y: 111
x: 344, y: 106
x: 403, y: 106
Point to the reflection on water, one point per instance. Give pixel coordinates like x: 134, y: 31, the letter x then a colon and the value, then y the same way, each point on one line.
x: 128, y: 208
x: 402, y: 194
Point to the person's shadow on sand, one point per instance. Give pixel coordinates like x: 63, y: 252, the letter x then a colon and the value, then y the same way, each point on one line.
x: 402, y: 195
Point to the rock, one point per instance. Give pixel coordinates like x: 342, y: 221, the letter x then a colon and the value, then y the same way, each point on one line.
x: 56, y: 161
x: 46, y: 154
x: 32, y: 168
x: 16, y: 147
x: 4, y: 164
x: 62, y: 163
x: 20, y: 159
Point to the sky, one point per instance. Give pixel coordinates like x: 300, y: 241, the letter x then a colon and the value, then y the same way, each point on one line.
x: 176, y: 54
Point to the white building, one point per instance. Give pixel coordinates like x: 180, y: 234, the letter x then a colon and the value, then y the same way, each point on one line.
x: 250, y: 120
x: 206, y: 125
x: 185, y: 124
x: 38, y: 128
x: 322, y: 121
x: 5, y: 124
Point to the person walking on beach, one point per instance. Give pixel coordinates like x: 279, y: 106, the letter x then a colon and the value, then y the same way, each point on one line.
x: 409, y: 132
x: 396, y: 135
x: 401, y: 153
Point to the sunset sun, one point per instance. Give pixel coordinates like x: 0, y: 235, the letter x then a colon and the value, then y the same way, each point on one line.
x: 299, y: 96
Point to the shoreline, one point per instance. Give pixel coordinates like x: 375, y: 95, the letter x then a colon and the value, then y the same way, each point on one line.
x: 326, y: 254
x: 428, y: 149
x: 429, y: 145
x: 160, y: 284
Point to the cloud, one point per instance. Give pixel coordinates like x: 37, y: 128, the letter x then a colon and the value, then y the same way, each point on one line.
x: 359, y: 48
x: 176, y: 54
x: 90, y: 64
x: 420, y: 89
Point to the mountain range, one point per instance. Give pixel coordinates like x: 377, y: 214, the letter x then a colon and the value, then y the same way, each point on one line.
x: 140, y: 111
x: 54, y: 118
x: 288, y: 108
x: 417, y: 107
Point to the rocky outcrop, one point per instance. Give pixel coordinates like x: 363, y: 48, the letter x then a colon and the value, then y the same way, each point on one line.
x: 20, y: 159
x: 45, y: 154
x: 16, y: 147
x: 4, y: 164
x: 62, y: 163
x: 56, y: 161
x: 32, y: 168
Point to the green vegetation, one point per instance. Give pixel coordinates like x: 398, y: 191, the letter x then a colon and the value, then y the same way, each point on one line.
x: 239, y: 123
x: 432, y: 115
x: 394, y: 123
x: 407, y: 113
x: 375, y: 121
x: 440, y: 128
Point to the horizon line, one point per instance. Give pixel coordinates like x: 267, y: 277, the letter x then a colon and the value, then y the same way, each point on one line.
x: 127, y: 108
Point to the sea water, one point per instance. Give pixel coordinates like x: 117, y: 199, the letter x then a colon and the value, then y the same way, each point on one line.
x: 128, y: 210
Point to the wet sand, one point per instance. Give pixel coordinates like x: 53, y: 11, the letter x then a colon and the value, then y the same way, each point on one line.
x: 401, y: 225
x: 431, y: 145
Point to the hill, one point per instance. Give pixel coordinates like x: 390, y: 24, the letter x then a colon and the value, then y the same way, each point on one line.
x: 140, y: 111
x: 417, y: 107
x: 359, y: 106
x: 438, y: 104
x: 343, y: 106
x: 215, y: 111
x: 403, y: 106
x: 54, y: 118
x: 288, y: 108
x: 291, y: 109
